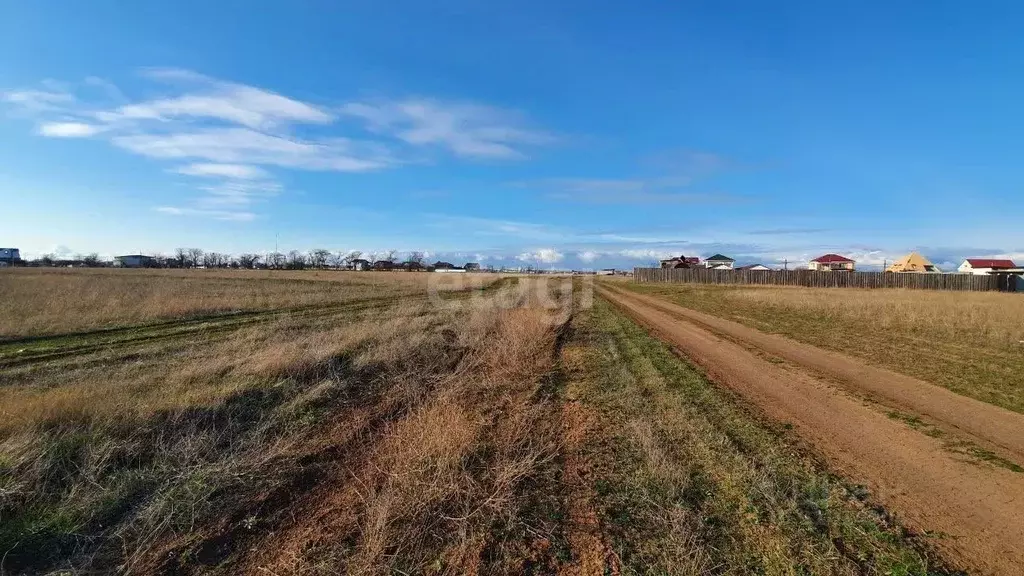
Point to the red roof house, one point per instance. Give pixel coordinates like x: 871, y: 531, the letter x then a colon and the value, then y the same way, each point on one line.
x: 986, y: 265
x: 830, y: 262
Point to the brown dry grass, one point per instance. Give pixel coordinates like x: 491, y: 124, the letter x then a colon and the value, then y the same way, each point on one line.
x: 37, y: 301
x: 969, y: 342
x: 415, y: 425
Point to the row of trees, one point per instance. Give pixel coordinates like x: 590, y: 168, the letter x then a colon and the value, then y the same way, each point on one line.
x: 294, y: 260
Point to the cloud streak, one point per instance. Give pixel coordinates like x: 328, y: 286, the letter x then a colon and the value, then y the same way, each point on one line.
x: 236, y: 171
x: 467, y: 130
x: 69, y: 129
x: 674, y: 186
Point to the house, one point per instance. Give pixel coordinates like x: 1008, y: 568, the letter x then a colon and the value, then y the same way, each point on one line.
x: 913, y: 262
x: 831, y: 262
x: 413, y: 266
x: 384, y: 265
x: 680, y: 262
x: 134, y: 261
x: 983, y: 266
x: 754, y: 267
x: 439, y: 265
x: 472, y: 267
x: 9, y: 256
x: 359, y: 264
x: 719, y: 262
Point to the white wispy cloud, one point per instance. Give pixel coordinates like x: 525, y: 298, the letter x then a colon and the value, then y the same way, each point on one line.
x: 238, y: 171
x: 38, y: 100
x: 242, y: 145
x: 225, y: 101
x: 229, y: 215
x: 542, y: 255
x: 467, y: 130
x: 69, y: 129
x: 215, y: 129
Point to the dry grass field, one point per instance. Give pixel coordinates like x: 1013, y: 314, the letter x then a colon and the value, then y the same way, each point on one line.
x: 36, y: 301
x: 971, y: 342
x: 323, y: 423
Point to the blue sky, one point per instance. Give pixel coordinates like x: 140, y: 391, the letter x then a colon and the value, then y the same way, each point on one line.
x: 556, y: 134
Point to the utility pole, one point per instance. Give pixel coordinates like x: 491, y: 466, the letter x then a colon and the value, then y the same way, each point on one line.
x: 785, y: 264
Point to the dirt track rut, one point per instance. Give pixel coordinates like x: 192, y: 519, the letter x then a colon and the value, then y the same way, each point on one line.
x: 978, y: 509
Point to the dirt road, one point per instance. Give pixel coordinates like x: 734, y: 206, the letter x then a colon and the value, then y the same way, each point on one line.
x: 977, y: 508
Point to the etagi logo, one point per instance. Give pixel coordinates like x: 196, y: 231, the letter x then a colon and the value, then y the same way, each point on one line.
x: 560, y: 295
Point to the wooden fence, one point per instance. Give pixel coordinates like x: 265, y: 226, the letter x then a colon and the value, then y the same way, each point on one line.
x: 814, y: 279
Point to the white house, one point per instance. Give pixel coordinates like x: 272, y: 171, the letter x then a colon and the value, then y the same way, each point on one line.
x: 754, y: 267
x: 831, y: 262
x: 134, y: 261
x: 984, y: 266
x: 719, y: 262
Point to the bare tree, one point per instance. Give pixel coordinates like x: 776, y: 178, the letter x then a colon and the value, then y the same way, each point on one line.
x: 248, y: 261
x: 318, y: 258
x: 275, y: 260
x: 351, y: 257
x: 390, y: 256
x: 46, y: 260
x: 415, y: 258
x: 371, y: 257
x: 195, y: 256
x: 336, y: 259
x: 296, y: 260
x: 91, y: 260
x: 181, y: 256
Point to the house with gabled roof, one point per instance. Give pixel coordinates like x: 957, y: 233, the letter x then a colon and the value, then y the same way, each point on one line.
x: 719, y: 262
x: 984, y: 266
x: 832, y: 263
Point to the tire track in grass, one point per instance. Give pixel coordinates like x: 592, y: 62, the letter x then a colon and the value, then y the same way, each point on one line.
x: 65, y: 346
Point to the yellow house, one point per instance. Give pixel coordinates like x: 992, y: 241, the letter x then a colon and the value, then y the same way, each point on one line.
x: 913, y: 262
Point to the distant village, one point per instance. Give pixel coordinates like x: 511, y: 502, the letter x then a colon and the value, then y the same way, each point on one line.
x: 913, y: 263
x: 417, y: 262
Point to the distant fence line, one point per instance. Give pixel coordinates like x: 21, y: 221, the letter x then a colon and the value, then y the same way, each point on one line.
x: 815, y: 279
